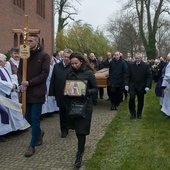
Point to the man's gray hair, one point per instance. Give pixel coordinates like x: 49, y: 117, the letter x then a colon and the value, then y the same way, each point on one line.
x: 2, y: 57
x: 69, y: 51
x: 168, y: 56
x: 139, y: 54
x: 14, y: 49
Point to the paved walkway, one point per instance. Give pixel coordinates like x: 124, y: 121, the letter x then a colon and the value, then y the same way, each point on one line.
x: 56, y: 153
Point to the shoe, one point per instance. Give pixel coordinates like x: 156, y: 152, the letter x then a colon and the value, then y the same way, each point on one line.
x: 132, y: 117
x: 139, y: 117
x: 108, y: 99
x: 48, y: 114
x: 2, y: 139
x: 116, y: 108
x: 78, y: 160
x: 112, y: 107
x: 64, y: 134
x: 40, y: 141
x: 94, y: 103
x: 30, y: 151
x: 101, y: 97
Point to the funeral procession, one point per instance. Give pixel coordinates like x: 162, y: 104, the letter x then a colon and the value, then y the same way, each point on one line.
x: 84, y: 86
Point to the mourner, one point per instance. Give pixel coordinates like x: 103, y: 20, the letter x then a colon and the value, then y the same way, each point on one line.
x: 50, y: 105
x: 57, y: 85
x: 83, y: 71
x: 138, y: 81
x: 13, y: 63
x: 166, y: 86
x: 93, y: 61
x: 117, y: 70
x: 106, y: 64
x: 11, y: 118
x: 38, y: 66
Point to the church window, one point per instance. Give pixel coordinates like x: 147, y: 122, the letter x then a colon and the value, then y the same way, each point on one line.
x: 41, y: 8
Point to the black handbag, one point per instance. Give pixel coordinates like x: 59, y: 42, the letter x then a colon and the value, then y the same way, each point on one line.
x: 77, y: 110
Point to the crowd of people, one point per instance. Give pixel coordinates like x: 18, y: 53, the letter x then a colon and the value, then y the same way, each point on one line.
x: 11, y: 118
x: 45, y: 85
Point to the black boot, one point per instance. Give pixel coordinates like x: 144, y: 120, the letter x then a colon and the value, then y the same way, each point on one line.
x: 78, y: 160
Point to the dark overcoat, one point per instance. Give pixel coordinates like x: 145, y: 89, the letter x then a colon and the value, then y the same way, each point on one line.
x: 117, y: 72
x: 38, y: 66
x: 138, y: 77
x: 57, y: 83
x: 82, y: 126
x: 106, y: 64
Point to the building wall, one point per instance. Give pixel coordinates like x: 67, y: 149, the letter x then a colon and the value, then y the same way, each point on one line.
x: 13, y: 17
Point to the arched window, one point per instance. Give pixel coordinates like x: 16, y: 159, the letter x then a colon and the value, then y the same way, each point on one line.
x: 42, y: 42
x: 15, y: 40
x: 21, y: 39
x: 41, y: 8
x: 19, y: 3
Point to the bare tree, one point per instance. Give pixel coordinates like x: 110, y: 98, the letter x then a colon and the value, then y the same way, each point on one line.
x: 148, y: 12
x: 124, y: 34
x: 163, y: 37
x: 65, y: 10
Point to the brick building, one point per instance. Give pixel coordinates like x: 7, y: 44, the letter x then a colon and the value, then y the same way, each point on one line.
x: 12, y: 16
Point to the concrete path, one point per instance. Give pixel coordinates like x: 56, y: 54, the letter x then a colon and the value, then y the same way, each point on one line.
x: 56, y: 153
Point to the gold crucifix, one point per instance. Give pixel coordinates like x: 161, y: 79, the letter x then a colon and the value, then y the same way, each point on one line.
x: 25, y: 54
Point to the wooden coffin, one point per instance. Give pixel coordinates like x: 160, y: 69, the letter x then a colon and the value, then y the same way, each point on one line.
x: 102, y: 77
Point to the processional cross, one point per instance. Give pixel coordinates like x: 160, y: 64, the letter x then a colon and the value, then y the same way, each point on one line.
x: 25, y: 54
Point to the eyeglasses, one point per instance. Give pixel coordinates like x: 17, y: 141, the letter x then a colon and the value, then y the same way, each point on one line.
x: 30, y: 40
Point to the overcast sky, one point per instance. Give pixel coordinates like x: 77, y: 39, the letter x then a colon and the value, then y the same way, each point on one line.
x: 96, y: 12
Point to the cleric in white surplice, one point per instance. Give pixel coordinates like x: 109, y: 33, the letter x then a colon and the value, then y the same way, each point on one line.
x: 50, y: 104
x: 9, y: 100
x: 166, y: 86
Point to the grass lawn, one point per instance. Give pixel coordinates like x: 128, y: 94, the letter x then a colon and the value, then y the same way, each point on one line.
x: 138, y: 144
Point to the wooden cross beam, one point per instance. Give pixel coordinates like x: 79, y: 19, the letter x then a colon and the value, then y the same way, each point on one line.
x: 25, y: 33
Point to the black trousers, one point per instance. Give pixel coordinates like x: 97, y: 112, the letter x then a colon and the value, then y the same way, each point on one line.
x: 132, y: 103
x: 109, y: 91
x: 101, y: 92
x: 116, y: 95
x: 81, y: 143
x: 63, y: 119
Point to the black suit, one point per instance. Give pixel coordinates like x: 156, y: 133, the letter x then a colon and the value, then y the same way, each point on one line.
x: 138, y: 77
x: 57, y: 85
x: 106, y: 64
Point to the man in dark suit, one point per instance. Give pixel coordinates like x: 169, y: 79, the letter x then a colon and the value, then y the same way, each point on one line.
x: 57, y: 85
x: 93, y: 61
x: 106, y: 64
x: 117, y: 72
x: 138, y: 81
x: 101, y: 89
x: 161, y: 65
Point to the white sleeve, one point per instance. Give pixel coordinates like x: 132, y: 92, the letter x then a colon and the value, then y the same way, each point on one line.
x: 8, y: 67
x: 166, y: 79
x: 6, y: 87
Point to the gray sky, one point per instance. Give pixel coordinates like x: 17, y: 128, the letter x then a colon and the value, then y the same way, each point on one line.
x: 96, y: 12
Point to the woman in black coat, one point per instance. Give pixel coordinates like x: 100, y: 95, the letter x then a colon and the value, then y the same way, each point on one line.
x: 83, y: 71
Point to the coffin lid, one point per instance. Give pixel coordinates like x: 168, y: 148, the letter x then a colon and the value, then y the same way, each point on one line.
x: 103, y: 73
